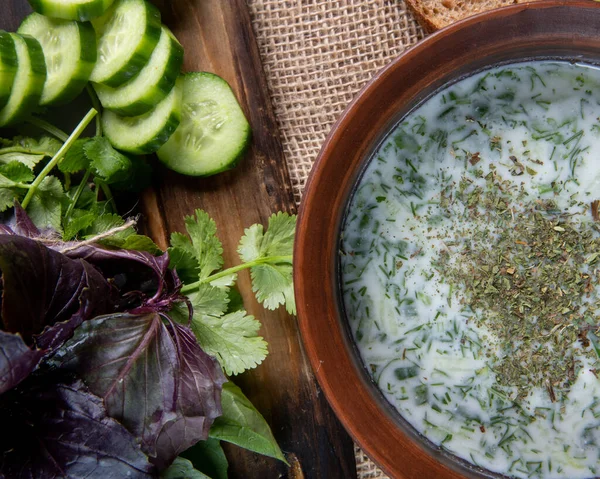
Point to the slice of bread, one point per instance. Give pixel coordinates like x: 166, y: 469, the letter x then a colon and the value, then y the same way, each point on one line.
x: 436, y: 14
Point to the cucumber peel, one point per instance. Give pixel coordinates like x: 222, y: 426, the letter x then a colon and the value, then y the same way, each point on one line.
x: 80, y: 10
x: 145, y: 133
x: 127, y: 35
x: 29, y: 80
x: 151, y: 85
x: 214, y: 133
x: 8, y: 66
x: 70, y: 55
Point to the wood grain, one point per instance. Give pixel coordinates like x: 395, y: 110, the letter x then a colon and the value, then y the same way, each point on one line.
x: 217, y: 36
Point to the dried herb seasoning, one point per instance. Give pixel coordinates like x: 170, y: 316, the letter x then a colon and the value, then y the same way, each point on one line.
x: 530, y: 269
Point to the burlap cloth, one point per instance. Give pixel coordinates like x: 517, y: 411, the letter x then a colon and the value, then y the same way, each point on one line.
x: 317, y: 54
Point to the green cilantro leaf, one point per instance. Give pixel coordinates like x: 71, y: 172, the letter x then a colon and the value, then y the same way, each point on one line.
x: 48, y: 144
x: 209, y: 301
x: 75, y: 159
x: 28, y: 151
x: 105, y: 161
x: 182, y: 258
x: 137, y: 242
x: 85, y: 201
x: 126, y: 239
x: 78, y: 221
x: 202, y: 245
x: 9, y: 188
x: 207, y: 248
x: 270, y: 254
x: 8, y: 193
x: 16, y: 171
x: 7, y: 198
x: 224, y: 281
x: 46, y: 204
x: 273, y: 286
x: 243, y: 425
x: 232, y: 338
x: 277, y: 241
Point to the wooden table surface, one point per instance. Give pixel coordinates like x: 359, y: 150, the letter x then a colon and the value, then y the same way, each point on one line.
x: 217, y: 36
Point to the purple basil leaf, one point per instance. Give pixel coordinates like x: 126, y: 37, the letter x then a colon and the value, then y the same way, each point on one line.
x: 96, y: 299
x: 138, y: 274
x: 23, y: 224
x: 53, y: 431
x: 17, y: 361
x: 198, y: 400
x: 151, y: 375
x: 40, y: 286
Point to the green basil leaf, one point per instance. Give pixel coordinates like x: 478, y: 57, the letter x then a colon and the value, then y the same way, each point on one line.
x: 241, y: 424
x: 208, y: 456
x: 182, y: 469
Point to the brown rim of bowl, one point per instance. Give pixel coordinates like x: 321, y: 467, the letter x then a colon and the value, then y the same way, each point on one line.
x: 549, y: 29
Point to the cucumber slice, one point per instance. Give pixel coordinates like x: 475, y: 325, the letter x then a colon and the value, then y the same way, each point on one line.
x: 151, y: 85
x: 70, y: 53
x: 214, y: 132
x: 145, y: 133
x: 81, y: 10
x: 29, y: 80
x: 127, y: 35
x: 8, y: 66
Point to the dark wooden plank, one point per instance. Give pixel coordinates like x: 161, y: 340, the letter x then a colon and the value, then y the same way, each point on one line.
x: 218, y: 37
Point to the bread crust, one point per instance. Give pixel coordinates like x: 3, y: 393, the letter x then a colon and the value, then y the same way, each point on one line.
x: 427, y: 22
x: 437, y: 14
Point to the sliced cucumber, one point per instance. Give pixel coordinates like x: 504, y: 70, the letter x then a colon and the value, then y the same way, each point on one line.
x: 214, y: 132
x: 145, y: 133
x: 29, y: 80
x: 8, y: 66
x: 70, y: 53
x: 127, y: 35
x: 81, y: 10
x: 151, y: 85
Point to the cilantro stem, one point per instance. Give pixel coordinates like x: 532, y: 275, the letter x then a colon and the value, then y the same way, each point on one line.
x: 20, y: 149
x: 107, y: 193
x: 96, y: 104
x: 49, y: 128
x: 59, y: 155
x: 188, y: 288
x: 77, y: 194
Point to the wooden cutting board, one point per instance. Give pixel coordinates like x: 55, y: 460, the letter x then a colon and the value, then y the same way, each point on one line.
x: 217, y: 36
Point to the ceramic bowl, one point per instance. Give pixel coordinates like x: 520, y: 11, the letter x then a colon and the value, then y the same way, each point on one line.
x: 541, y: 30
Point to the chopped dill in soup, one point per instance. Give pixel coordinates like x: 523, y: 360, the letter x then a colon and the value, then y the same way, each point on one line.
x: 470, y: 269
